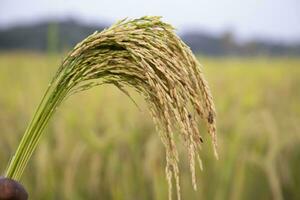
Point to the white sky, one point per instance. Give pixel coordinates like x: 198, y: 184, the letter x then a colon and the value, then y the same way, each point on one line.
x: 270, y: 19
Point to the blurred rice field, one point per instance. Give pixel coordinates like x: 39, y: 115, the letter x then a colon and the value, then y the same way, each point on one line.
x: 100, y: 145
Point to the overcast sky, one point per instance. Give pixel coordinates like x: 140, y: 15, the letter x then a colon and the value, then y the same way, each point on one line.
x: 269, y: 19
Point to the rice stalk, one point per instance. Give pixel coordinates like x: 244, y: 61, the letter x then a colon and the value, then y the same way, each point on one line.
x: 146, y: 55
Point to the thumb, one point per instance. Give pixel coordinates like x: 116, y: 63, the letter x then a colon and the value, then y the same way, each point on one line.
x: 12, y: 190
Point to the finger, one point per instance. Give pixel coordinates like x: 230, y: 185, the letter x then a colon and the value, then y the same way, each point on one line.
x: 12, y: 190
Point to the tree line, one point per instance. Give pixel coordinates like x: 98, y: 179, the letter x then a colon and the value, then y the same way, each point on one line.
x: 57, y: 36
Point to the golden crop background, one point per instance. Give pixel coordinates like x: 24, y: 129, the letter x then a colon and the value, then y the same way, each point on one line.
x: 99, y: 145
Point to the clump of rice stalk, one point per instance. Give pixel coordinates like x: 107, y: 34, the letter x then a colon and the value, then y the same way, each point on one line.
x: 147, y: 55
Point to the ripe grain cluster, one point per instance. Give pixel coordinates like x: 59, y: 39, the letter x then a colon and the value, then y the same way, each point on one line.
x: 147, y: 55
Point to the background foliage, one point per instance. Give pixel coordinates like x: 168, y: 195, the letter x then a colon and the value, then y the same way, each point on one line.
x: 63, y: 35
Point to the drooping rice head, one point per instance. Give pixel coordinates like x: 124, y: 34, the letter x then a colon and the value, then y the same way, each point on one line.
x: 144, y: 54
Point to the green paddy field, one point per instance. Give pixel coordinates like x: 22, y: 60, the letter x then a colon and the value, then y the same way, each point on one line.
x: 100, y: 145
